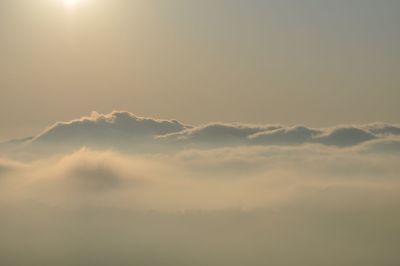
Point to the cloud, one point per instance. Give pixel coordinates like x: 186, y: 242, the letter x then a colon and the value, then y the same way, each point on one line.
x: 390, y: 145
x: 117, y: 129
x: 292, y: 135
x: 7, y: 166
x: 118, y: 189
x: 126, y: 132
x: 197, y: 178
x: 308, y: 204
x: 345, y: 136
x: 91, y: 172
x: 383, y: 129
x: 218, y: 134
x: 242, y: 134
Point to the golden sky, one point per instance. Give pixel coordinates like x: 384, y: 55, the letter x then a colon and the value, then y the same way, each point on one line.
x: 317, y: 63
x: 110, y: 177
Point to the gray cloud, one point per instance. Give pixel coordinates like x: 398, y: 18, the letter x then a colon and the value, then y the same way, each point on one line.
x: 218, y: 134
x: 345, y: 136
x: 292, y: 135
x: 390, y: 145
x: 126, y: 132
x: 383, y: 129
x: 117, y: 129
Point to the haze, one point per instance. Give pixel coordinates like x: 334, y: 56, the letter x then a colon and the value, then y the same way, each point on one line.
x: 199, y: 133
x: 318, y: 63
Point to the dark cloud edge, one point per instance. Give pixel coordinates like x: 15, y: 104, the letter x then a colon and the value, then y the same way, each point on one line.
x: 122, y: 129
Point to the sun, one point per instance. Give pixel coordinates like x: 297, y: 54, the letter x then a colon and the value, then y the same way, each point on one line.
x: 71, y: 3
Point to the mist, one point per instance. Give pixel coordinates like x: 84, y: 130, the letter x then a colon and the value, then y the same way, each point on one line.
x: 199, y: 133
x: 248, y: 205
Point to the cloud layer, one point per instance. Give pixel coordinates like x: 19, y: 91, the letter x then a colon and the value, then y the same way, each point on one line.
x: 248, y: 205
x: 215, y: 194
x: 124, y: 131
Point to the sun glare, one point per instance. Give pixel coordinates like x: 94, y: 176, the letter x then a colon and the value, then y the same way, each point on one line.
x: 71, y: 3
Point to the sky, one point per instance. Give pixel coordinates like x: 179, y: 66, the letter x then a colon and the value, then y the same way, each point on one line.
x: 317, y: 63
x: 200, y: 133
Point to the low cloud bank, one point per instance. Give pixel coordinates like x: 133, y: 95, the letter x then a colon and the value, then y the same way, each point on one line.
x: 240, y: 177
x: 303, y: 205
x: 126, y: 132
x: 217, y: 194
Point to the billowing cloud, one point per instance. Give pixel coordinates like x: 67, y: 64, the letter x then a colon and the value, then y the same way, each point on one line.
x: 126, y: 132
x: 223, y: 194
x: 246, y: 205
x: 242, y: 134
x: 239, y: 177
x: 118, y: 129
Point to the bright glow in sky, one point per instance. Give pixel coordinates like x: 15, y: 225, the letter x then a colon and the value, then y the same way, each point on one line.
x: 317, y: 63
x: 305, y: 177
x: 71, y: 3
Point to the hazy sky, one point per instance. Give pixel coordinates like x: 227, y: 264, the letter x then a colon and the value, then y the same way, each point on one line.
x: 114, y: 188
x: 310, y: 62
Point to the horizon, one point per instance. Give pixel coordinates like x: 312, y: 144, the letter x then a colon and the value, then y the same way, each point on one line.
x: 93, y: 115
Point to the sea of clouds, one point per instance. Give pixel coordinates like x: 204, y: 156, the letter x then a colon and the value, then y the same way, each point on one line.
x: 118, y: 189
